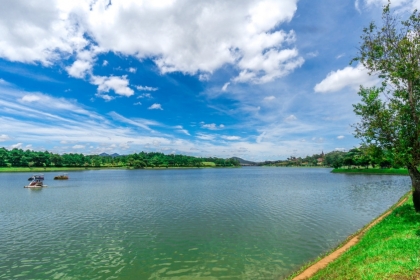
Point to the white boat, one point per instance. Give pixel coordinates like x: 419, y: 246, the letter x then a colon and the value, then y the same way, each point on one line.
x: 37, y: 181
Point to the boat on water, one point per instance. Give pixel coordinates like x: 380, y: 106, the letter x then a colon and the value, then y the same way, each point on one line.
x: 61, y: 177
x: 37, y: 181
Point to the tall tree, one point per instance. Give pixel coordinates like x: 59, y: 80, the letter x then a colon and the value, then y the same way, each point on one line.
x: 390, y: 113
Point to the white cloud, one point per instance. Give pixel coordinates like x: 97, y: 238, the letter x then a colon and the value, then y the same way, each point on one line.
x: 356, y: 6
x: 16, y: 146
x: 105, y: 97
x: 269, y: 98
x: 145, y: 95
x: 261, y: 137
x: 212, y: 126
x: 155, y: 106
x: 30, y: 98
x: 291, y: 118
x: 225, y: 86
x: 105, y: 63
x: 77, y: 147
x: 350, y: 76
x: 340, y: 55
x: 179, y: 128
x: 204, y: 77
x: 4, y: 137
x: 132, y: 70
x: 395, y: 3
x: 187, y: 36
x: 137, y: 103
x: 340, y: 137
x: 146, y: 88
x: 142, y: 123
x: 118, y: 84
x: 79, y: 68
x: 38, y: 31
x: 230, y: 138
x: 203, y: 136
x: 312, y: 54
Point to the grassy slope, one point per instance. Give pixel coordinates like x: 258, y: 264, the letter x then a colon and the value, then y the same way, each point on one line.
x: 372, y: 171
x: 389, y: 250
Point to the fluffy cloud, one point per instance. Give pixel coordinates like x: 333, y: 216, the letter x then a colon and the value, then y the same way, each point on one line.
x: 212, y: 126
x: 30, y: 98
x: 340, y: 137
x: 4, y: 137
x: 350, y: 76
x: 38, y: 31
x: 118, y: 84
x: 178, y: 35
x: 155, y: 106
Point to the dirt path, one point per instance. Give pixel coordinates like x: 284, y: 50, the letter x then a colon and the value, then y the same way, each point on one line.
x: 310, y: 271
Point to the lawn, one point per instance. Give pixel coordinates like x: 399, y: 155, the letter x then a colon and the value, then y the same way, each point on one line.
x: 389, y: 250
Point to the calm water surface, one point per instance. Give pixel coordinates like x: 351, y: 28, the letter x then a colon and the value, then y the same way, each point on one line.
x: 245, y: 223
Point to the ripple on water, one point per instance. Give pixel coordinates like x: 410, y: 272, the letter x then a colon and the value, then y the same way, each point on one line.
x: 248, y: 223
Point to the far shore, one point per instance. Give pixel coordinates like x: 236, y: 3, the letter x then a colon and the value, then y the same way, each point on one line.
x: 373, y: 171
x: 69, y: 169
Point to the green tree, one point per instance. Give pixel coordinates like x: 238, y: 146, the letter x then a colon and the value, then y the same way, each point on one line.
x: 390, y: 113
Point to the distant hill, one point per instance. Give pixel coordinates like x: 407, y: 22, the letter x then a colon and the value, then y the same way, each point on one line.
x: 108, y: 155
x: 245, y: 162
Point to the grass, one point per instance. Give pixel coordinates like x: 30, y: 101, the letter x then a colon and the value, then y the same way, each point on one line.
x: 389, y: 250
x: 209, y: 164
x: 391, y: 171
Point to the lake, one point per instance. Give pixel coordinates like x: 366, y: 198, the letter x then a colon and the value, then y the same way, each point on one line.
x: 233, y: 223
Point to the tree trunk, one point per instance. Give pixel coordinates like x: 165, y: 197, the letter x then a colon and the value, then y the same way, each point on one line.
x: 415, y: 180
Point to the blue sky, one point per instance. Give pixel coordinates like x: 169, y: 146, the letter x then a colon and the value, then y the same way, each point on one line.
x: 258, y: 79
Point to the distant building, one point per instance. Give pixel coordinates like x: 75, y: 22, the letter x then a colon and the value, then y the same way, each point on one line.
x: 320, y: 160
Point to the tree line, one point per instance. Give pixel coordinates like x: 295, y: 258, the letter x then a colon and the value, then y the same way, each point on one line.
x: 360, y: 157
x: 28, y: 158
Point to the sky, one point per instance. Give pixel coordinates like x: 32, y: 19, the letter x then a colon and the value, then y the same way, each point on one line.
x: 256, y: 79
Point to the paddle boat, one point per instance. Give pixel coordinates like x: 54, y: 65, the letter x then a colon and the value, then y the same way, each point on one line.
x: 37, y: 181
x: 61, y: 177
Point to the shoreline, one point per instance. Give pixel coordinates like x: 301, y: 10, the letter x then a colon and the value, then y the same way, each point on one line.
x: 69, y: 169
x: 371, y: 171
x: 312, y: 267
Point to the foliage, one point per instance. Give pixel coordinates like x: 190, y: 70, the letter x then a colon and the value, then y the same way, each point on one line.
x: 390, y: 113
x: 32, y: 159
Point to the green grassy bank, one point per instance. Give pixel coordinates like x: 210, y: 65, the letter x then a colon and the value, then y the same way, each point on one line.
x: 391, y: 171
x: 389, y: 250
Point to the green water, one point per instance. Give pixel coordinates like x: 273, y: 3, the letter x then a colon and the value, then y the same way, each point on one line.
x: 247, y: 223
